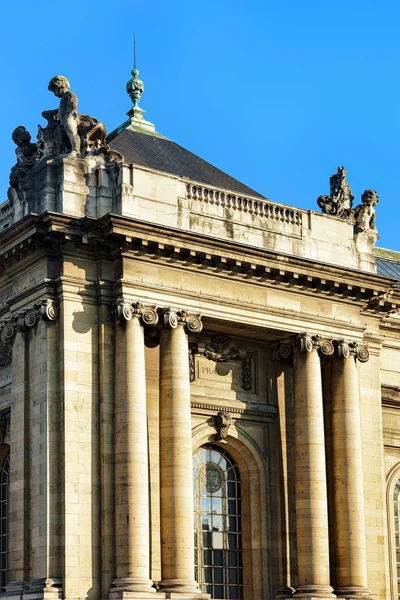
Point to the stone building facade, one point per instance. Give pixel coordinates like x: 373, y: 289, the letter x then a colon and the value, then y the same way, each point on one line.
x: 199, y: 388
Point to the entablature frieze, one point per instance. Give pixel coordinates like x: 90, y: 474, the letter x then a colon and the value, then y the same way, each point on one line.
x: 123, y: 236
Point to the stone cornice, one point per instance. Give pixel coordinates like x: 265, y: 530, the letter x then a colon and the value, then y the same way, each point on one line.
x: 390, y: 396
x: 192, y: 250
x: 264, y: 412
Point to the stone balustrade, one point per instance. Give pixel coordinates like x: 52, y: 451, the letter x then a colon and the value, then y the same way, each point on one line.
x: 252, y: 206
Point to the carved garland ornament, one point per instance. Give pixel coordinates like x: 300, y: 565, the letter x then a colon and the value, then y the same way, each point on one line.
x: 219, y: 351
x: 326, y: 347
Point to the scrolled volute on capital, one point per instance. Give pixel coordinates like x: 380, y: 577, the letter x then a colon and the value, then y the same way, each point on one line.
x: 171, y: 320
x: 123, y: 311
x: 352, y: 349
x: 27, y: 318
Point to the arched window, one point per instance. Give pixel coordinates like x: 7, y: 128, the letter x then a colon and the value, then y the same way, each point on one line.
x: 5, y: 522
x: 218, y: 523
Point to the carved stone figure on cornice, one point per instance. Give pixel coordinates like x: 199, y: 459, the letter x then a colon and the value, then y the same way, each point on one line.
x: 364, y: 215
x: 74, y: 133
x: 340, y: 201
x: 222, y: 422
x: 27, y: 156
x: 67, y: 113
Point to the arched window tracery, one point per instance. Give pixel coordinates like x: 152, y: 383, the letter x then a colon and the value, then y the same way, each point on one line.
x: 218, y: 523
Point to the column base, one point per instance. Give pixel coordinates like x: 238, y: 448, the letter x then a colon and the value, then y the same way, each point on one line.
x: 314, y: 591
x: 132, y: 587
x: 284, y: 592
x: 181, y: 588
x: 356, y: 592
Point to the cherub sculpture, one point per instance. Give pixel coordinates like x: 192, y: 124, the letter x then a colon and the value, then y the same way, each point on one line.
x: 68, y: 114
x: 74, y: 133
x: 364, y: 214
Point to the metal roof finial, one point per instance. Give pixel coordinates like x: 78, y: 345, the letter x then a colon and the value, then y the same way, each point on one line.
x: 135, y: 86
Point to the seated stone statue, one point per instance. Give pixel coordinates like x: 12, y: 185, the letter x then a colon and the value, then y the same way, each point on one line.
x: 340, y: 201
x: 27, y: 157
x: 72, y: 133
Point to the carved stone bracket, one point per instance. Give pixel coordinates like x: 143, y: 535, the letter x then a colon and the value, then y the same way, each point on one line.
x: 222, y: 422
x: 325, y: 346
x: 26, y: 319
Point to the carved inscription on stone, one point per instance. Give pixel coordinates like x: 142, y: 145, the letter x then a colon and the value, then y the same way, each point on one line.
x: 229, y: 372
x: 220, y: 362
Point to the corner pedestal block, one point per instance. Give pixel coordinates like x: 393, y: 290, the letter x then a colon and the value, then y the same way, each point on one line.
x: 45, y: 588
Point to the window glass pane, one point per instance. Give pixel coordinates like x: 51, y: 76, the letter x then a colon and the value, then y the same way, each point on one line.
x: 217, y: 522
x: 217, y: 505
x: 218, y: 576
x: 206, y: 504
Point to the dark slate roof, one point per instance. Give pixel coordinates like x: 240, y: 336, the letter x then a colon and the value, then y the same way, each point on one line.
x: 161, y: 154
x: 388, y: 263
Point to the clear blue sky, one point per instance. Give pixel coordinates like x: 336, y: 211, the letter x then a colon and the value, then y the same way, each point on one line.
x: 277, y: 94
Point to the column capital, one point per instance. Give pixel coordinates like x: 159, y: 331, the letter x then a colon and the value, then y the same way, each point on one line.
x: 26, y: 318
x: 351, y: 349
x: 173, y: 319
x: 327, y: 347
x: 123, y: 310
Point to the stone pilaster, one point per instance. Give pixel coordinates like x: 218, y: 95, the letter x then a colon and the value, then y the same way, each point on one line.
x: 176, y: 487
x: 310, y: 472
x: 132, y: 535
x: 350, y: 541
x: 34, y: 542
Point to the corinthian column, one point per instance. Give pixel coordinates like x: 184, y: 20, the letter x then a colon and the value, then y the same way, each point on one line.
x: 176, y: 486
x: 132, y: 540
x: 350, y: 543
x: 310, y: 474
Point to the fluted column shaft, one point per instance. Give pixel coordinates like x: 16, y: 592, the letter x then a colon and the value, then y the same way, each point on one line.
x: 131, y: 457
x: 310, y: 474
x: 176, y: 486
x: 350, y: 541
